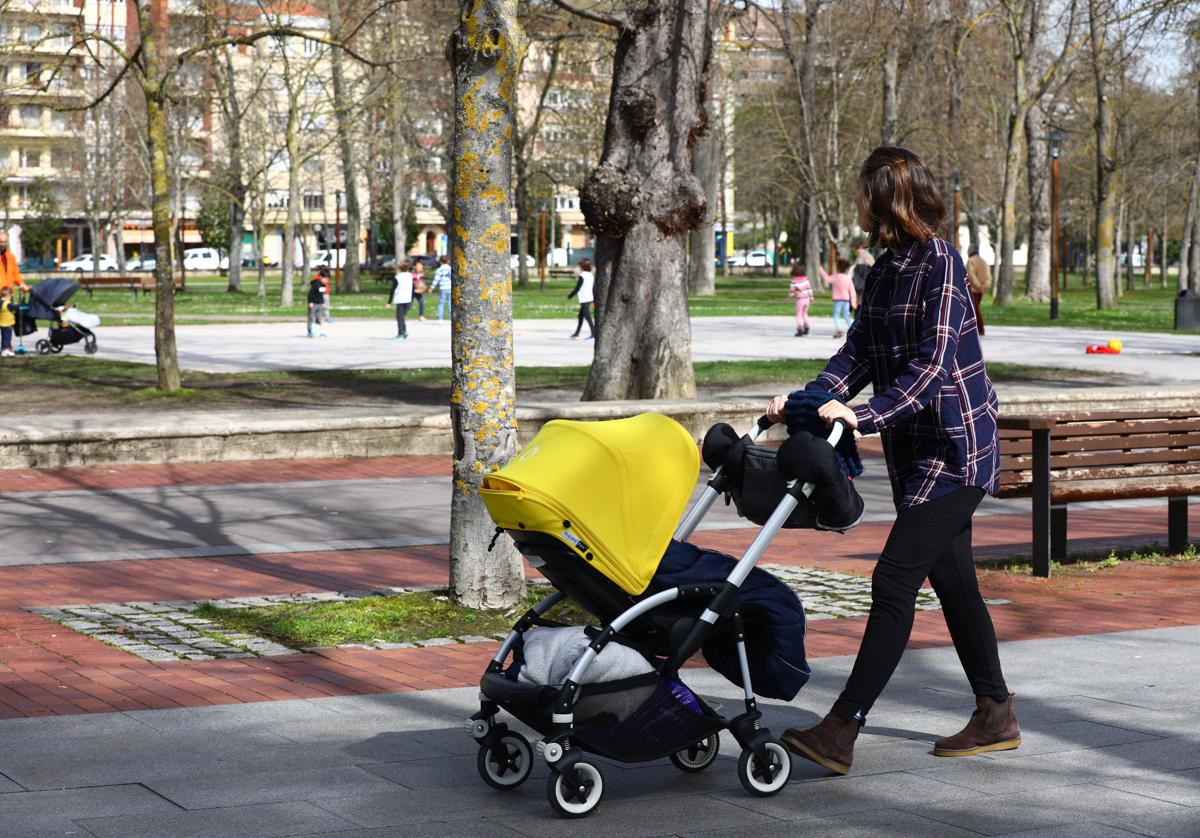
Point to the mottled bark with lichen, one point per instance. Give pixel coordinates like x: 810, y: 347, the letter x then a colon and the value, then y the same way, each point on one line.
x: 643, y: 200
x: 152, y: 23
x: 485, y: 54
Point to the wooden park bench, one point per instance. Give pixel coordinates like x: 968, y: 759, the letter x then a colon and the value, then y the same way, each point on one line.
x: 132, y: 284
x: 1063, y: 458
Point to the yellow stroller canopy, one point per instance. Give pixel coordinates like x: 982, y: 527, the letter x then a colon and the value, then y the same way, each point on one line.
x: 612, y: 491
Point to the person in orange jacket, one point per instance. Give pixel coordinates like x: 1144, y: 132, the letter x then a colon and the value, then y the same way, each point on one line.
x: 10, y: 273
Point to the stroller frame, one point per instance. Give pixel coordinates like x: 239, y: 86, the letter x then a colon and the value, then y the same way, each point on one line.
x: 575, y: 786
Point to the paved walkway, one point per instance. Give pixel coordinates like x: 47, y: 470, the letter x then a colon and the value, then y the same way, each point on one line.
x: 369, y: 742
x: 368, y: 344
x: 1108, y: 751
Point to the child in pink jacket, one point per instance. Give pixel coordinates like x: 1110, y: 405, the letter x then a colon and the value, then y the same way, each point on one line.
x: 801, y: 291
x: 844, y: 298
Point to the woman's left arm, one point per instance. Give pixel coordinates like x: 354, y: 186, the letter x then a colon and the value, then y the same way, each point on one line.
x: 913, y: 390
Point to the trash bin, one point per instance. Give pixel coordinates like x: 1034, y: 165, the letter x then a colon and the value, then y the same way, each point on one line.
x: 1187, y: 310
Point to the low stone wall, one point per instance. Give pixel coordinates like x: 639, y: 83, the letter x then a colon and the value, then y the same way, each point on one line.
x: 112, y: 439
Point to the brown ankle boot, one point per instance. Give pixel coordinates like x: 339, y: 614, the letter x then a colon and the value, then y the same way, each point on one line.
x: 831, y: 743
x: 993, y: 727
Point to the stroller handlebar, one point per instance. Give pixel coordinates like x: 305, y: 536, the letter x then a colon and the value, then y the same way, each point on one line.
x: 763, y: 424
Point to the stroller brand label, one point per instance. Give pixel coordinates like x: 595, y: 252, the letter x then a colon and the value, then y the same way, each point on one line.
x: 571, y: 538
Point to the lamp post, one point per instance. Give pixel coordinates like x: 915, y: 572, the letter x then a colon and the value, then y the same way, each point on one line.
x: 542, y: 209
x: 1056, y: 141
x: 957, y: 180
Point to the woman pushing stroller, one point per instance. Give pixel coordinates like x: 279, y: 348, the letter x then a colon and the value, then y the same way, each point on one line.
x: 917, y: 343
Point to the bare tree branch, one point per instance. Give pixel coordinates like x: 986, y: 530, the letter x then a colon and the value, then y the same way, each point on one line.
x: 590, y: 14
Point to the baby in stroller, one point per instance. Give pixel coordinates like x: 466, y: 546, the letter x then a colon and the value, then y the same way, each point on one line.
x: 595, y: 507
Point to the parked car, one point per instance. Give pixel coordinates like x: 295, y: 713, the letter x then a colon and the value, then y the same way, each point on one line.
x: 514, y: 261
x: 251, y: 261
x: 753, y: 259
x: 37, y: 263
x: 147, y: 264
x: 382, y: 263
x: 205, y: 259
x: 86, y: 263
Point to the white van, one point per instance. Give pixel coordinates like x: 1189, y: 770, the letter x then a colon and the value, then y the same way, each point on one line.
x: 205, y: 259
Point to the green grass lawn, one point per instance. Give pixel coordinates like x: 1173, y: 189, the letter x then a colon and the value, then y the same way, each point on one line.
x: 398, y: 618
x: 97, y: 383
x: 1144, y: 309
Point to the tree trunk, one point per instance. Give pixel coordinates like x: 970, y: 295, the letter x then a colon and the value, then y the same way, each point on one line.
x: 1105, y: 166
x: 399, y: 162
x: 485, y: 54
x: 1189, y: 222
x: 344, y: 110
x: 1193, y: 277
x: 262, y: 267
x: 522, y: 213
x: 642, y: 200
x: 153, y: 25
x: 1037, y: 268
x: 891, y: 98
x: 287, y: 285
x: 808, y: 96
x: 702, y: 267
x: 1130, y: 232
x: 1008, y: 209
x: 236, y: 178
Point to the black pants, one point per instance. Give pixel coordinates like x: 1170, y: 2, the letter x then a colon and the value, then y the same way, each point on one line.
x: 931, y: 540
x: 420, y: 300
x: 585, y: 314
x: 401, y: 312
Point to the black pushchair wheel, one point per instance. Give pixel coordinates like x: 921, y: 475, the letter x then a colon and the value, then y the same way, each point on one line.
x: 573, y: 802
x: 42, y: 347
x: 765, y: 780
x: 55, y: 347
x: 507, y: 762
x: 89, y: 345
x: 699, y: 756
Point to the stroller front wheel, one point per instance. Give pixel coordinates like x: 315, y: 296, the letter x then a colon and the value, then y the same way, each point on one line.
x: 42, y: 347
x: 507, y: 762
x: 699, y: 756
x: 576, y: 802
x: 89, y: 345
x: 765, y: 780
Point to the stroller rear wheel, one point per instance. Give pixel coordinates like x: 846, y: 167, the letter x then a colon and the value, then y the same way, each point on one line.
x: 42, y: 347
x: 765, y: 780
x: 507, y: 762
x: 699, y: 756
x: 576, y: 802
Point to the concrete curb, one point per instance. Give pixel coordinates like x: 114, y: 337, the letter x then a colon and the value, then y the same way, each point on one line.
x: 119, y: 439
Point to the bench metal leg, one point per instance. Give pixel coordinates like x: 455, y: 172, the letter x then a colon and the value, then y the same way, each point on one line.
x: 1177, y: 524
x: 1041, y: 503
x: 1058, y: 532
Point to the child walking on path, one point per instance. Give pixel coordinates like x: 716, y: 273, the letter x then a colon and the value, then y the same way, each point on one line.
x: 402, y: 298
x: 585, y: 289
x: 418, y: 272
x: 844, y: 298
x: 801, y: 291
x: 8, y: 319
x: 443, y: 278
x: 316, y: 306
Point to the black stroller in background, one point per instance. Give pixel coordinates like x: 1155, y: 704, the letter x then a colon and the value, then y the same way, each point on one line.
x: 46, y: 302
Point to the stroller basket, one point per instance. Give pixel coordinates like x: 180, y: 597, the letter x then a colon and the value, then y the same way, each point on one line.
x: 632, y: 720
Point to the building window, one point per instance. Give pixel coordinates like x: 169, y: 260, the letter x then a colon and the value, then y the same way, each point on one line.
x: 32, y: 33
x: 314, y: 200
x: 31, y: 71
x: 311, y: 47
x: 314, y: 87
x: 277, y: 199
x: 281, y: 162
x: 566, y: 203
x: 60, y: 158
x: 31, y: 116
x: 31, y: 158
x: 435, y: 163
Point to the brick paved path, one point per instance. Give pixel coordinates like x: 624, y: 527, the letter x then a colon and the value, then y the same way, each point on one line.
x: 46, y: 669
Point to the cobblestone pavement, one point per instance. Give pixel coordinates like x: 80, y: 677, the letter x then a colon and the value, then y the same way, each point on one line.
x: 171, y: 630
x: 1111, y: 749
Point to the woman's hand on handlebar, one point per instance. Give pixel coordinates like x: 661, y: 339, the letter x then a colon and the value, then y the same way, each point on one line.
x: 833, y: 410
x: 775, y: 408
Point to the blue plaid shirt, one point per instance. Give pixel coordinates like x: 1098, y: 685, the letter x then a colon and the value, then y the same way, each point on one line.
x: 916, y: 340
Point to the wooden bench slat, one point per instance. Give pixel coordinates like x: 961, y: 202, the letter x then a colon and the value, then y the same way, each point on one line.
x: 1060, y: 445
x: 1020, y: 482
x: 1126, y: 488
x: 1121, y: 428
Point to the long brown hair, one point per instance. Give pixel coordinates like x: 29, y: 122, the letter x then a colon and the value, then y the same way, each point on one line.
x: 897, y: 200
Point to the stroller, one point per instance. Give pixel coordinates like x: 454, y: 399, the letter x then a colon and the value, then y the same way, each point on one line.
x: 593, y: 506
x: 48, y: 301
